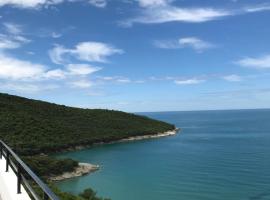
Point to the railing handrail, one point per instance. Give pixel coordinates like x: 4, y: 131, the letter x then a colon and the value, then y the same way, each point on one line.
x: 48, y: 194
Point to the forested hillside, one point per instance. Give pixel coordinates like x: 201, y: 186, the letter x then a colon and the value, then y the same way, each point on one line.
x: 33, y: 127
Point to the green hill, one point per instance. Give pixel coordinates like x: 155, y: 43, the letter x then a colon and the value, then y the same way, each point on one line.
x: 33, y: 127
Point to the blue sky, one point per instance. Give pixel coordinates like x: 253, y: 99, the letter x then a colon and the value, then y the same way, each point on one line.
x: 137, y: 55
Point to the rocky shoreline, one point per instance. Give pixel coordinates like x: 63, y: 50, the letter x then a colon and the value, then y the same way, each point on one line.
x: 129, y: 139
x: 81, y: 170
x: 143, y: 137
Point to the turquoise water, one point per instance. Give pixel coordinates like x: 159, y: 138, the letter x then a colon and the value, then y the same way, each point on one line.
x: 219, y: 155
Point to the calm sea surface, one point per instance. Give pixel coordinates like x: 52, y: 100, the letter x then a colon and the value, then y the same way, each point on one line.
x: 219, y: 155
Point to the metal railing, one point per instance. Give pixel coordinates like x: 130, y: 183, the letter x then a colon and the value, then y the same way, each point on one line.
x: 25, y: 175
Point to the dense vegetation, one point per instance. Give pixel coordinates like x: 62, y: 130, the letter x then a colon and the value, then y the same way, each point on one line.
x: 87, y: 194
x: 34, y: 128
x: 45, y: 166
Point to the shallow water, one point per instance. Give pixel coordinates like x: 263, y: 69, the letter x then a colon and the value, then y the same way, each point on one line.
x: 219, y: 155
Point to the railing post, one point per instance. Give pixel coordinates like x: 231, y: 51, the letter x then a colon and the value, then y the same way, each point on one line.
x: 1, y: 150
x: 19, y: 179
x: 45, y: 196
x: 20, y: 168
x: 7, y: 160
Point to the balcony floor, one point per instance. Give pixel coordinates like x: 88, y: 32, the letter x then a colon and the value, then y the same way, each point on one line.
x: 8, y: 184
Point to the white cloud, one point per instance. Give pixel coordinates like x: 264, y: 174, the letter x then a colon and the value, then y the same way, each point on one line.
x: 12, y: 68
x: 95, y: 51
x: 107, y: 78
x: 55, y: 74
x: 232, y: 78
x: 82, y: 69
x: 257, y: 8
x: 192, y: 81
x: 195, y: 43
x: 25, y: 3
x: 118, y: 79
x: 8, y: 43
x: 56, y: 35
x: 15, y: 69
x: 56, y: 54
x: 20, y: 38
x: 167, y: 44
x: 168, y: 13
x: 85, y: 51
x: 33, y: 4
x: 153, y: 3
x: 81, y: 84
x: 27, y: 77
x: 98, y: 3
x: 12, y: 28
x: 13, y: 39
x: 192, y: 42
x: 262, y: 62
x: 26, y: 87
x: 30, y: 53
x: 123, y: 80
x: 162, y: 11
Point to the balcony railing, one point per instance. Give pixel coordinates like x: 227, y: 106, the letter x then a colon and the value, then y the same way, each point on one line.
x: 25, y: 176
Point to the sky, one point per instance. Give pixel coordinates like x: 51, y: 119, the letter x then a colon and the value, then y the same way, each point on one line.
x: 137, y: 55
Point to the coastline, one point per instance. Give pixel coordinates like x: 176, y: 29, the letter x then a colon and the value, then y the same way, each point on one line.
x: 81, y: 170
x: 128, y: 139
x: 87, y: 168
x: 144, y: 137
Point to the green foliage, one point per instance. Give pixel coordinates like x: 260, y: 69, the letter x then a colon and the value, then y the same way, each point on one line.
x: 47, y: 166
x: 89, y: 194
x: 32, y: 127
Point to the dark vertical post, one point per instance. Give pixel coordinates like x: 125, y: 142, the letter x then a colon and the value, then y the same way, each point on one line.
x: 7, y: 160
x: 19, y: 179
x: 1, y: 150
x: 45, y: 196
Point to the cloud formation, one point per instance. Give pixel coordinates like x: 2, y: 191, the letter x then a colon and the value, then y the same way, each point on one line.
x: 98, y: 3
x: 82, y: 69
x: 13, y: 38
x: 195, y: 43
x: 12, y: 68
x: 85, y: 51
x: 34, y: 4
x: 81, y: 84
x: 262, y: 62
x: 16, y: 74
x: 192, y: 81
x: 257, y: 8
x: 162, y: 11
x: 233, y: 78
x: 153, y: 3
x: 12, y: 28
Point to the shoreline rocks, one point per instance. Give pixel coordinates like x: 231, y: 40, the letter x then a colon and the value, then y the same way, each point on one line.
x: 81, y: 170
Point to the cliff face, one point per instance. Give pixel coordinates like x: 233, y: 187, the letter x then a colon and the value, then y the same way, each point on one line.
x: 33, y: 127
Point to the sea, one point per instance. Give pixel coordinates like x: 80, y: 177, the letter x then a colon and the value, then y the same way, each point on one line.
x: 217, y: 155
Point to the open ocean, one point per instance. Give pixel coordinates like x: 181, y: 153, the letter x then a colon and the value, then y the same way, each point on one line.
x: 218, y: 155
